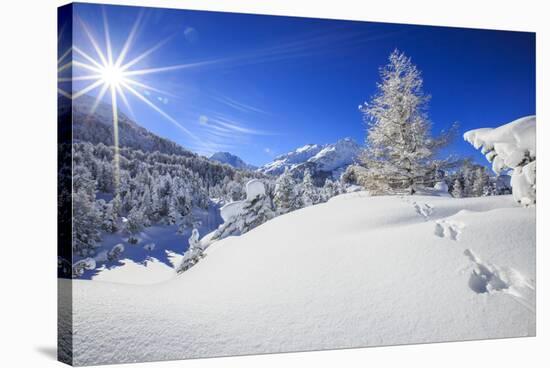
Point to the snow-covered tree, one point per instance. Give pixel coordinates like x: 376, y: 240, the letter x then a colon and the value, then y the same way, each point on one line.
x: 115, y: 252
x: 480, y: 184
x: 193, y: 254
x: 81, y: 266
x: 458, y: 190
x: 286, y: 198
x: 511, y: 147
x: 86, y: 214
x: 243, y: 216
x: 400, y: 152
x: 310, y: 193
x: 135, y: 220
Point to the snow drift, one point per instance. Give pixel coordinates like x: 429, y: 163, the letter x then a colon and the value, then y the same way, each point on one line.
x: 355, y: 271
x: 511, y: 146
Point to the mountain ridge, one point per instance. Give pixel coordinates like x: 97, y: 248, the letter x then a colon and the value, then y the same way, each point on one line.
x: 323, y: 160
x: 231, y: 160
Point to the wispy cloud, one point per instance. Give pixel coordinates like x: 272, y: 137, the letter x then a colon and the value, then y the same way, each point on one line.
x: 328, y: 41
x: 239, y: 128
x: 239, y: 106
x: 219, y: 133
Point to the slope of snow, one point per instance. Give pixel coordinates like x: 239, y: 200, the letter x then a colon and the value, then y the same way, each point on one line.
x: 327, y: 157
x: 511, y: 146
x: 355, y: 271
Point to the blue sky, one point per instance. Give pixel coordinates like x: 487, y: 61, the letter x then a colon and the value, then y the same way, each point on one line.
x: 259, y: 86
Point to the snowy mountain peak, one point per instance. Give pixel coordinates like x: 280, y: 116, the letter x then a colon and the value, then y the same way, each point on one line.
x: 329, y: 158
x: 232, y: 160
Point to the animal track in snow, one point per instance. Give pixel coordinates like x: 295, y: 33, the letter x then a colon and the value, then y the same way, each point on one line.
x: 423, y: 209
x: 490, y: 279
x: 448, y: 229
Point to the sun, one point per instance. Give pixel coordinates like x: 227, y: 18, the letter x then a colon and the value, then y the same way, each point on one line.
x: 112, y: 76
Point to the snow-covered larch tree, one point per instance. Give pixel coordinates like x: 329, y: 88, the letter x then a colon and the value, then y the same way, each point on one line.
x: 400, y: 152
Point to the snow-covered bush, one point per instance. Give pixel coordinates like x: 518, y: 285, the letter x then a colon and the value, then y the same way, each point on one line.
x: 83, y: 265
x: 441, y: 186
x: 115, y: 252
x: 511, y: 147
x: 242, y: 216
x: 193, y: 254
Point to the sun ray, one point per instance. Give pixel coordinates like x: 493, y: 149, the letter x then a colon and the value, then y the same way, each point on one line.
x: 87, y: 57
x: 165, y: 68
x: 86, y: 66
x: 99, y: 97
x: 65, y: 54
x: 158, y: 109
x: 148, y: 87
x: 129, y: 41
x: 107, y: 37
x: 79, y: 78
x: 64, y: 93
x: 115, y: 136
x: 124, y: 99
x: 93, y: 41
x: 87, y: 89
x: 64, y: 66
x: 145, y: 54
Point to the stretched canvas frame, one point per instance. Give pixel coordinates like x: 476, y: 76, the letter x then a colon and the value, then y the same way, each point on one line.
x: 169, y: 249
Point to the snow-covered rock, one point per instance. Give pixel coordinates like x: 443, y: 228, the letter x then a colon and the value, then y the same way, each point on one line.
x: 383, y: 271
x: 230, y: 210
x: 511, y: 146
x: 441, y: 186
x: 331, y: 158
x: 254, y: 188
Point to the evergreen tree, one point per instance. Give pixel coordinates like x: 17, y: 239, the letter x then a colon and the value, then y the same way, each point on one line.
x: 458, y: 191
x: 286, y: 198
x: 193, y: 254
x: 329, y: 190
x: 480, y: 185
x: 400, y: 150
x: 310, y: 194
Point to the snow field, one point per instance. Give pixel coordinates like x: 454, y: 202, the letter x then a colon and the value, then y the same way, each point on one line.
x: 355, y: 271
